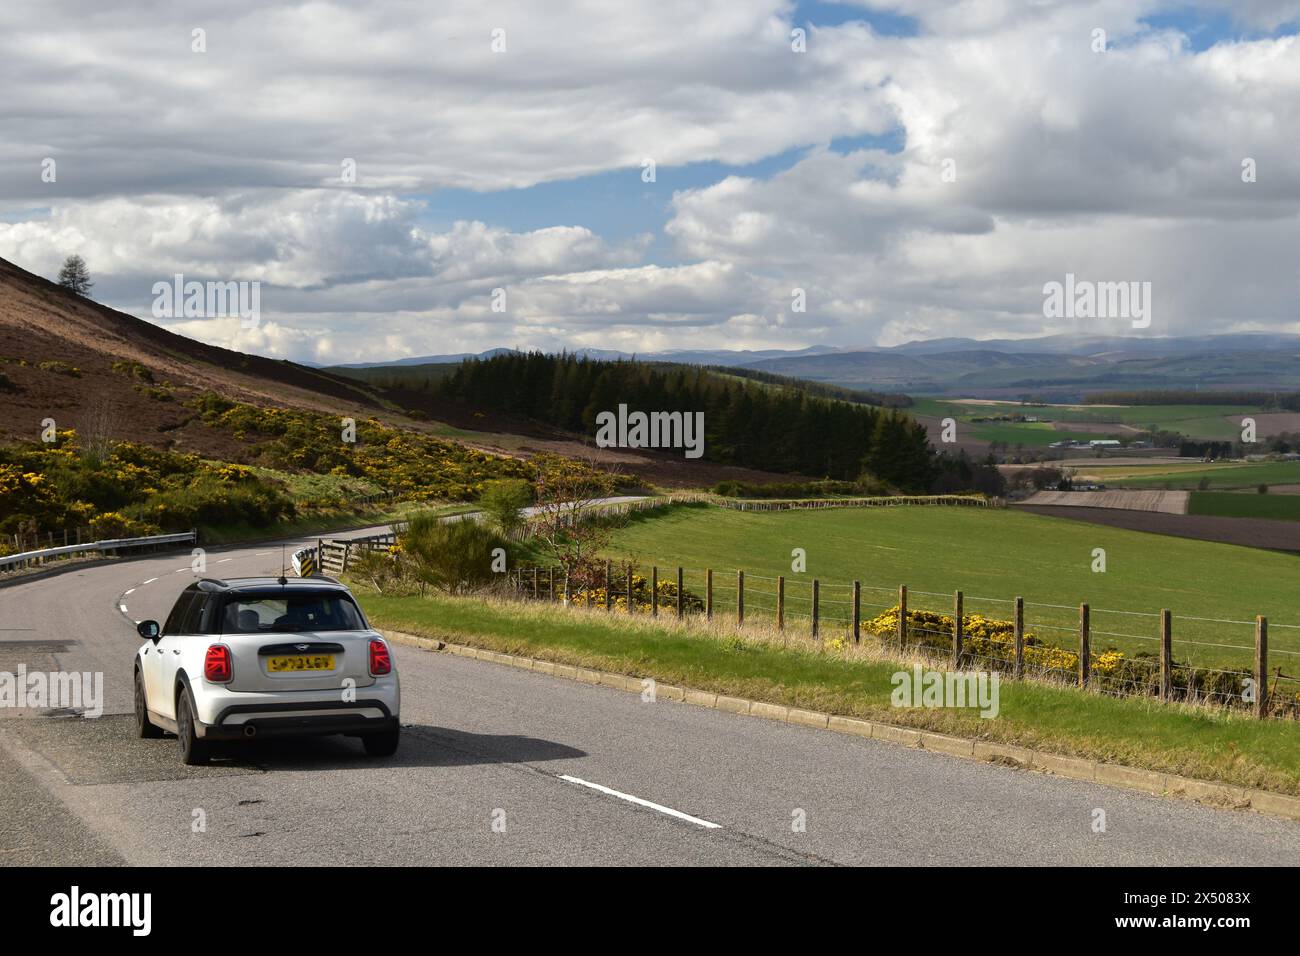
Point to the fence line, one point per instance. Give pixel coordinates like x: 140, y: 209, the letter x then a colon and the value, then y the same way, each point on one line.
x: 1267, y: 692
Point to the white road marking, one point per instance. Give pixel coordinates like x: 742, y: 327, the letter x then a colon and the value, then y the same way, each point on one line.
x: 150, y: 581
x: 224, y: 560
x: 124, y: 610
x: 180, y: 570
x: 129, y: 591
x: 642, y: 803
x: 262, y: 553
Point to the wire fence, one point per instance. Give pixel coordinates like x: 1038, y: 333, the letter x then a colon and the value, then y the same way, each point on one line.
x: 1227, y: 662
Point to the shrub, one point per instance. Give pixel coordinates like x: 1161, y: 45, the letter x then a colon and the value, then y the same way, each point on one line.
x: 991, y: 642
x: 60, y: 368
x: 667, y: 590
x: 503, y: 500
x: 111, y: 525
x: 210, y: 501
x: 453, y: 556
x: 378, y: 568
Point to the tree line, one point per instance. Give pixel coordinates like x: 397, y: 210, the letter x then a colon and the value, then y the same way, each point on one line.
x: 753, y: 424
x: 1289, y: 401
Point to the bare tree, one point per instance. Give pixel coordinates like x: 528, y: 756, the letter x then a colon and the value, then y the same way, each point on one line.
x: 75, y: 276
x: 564, y: 524
x: 99, y: 428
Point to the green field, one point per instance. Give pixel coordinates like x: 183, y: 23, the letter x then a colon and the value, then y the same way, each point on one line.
x: 1229, y: 504
x: 1179, y: 477
x: 993, y: 555
x: 1206, y: 422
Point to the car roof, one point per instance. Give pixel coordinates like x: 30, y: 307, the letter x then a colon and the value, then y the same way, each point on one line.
x: 236, y: 585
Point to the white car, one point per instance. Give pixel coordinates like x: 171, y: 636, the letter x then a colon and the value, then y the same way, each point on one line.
x: 260, y: 657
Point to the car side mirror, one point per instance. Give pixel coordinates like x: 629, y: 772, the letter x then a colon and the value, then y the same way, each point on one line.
x: 149, y: 630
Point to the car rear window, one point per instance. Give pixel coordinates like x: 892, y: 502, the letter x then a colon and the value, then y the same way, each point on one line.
x: 277, y: 612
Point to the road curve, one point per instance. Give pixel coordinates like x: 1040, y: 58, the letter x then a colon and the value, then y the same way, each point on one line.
x: 503, y: 766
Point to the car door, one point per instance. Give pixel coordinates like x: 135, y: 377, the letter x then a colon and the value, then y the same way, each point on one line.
x: 151, y: 658
x: 195, y: 623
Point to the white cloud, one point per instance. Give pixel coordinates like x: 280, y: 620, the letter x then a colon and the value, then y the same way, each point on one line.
x: 1119, y: 165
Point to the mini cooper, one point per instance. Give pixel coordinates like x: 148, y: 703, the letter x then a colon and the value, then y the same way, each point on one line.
x: 261, y: 657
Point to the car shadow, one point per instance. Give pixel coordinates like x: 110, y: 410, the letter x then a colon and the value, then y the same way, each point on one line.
x: 421, y: 746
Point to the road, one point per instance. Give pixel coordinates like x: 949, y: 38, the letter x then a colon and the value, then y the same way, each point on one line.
x: 504, y: 766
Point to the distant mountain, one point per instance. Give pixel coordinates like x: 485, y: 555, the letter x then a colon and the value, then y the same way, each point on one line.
x: 1011, y: 369
x: 1090, y: 345
x: 1054, y: 366
x: 427, y: 359
x: 686, y: 356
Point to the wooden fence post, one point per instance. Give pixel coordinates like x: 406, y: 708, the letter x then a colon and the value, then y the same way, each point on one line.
x: 609, y: 597
x: 780, y: 603
x: 680, y: 605
x: 740, y: 597
x: 957, y: 603
x: 816, y: 606
x: 631, y: 602
x: 654, y: 591
x: 902, y: 615
x: 1085, y: 646
x: 1261, y: 667
x: 857, y: 612
x: 1020, y: 638
x: 1166, y: 656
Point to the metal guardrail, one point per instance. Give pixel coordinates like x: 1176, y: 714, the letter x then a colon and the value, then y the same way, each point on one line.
x: 26, y: 559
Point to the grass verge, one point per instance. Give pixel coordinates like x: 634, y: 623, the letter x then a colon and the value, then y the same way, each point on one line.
x: 856, y: 682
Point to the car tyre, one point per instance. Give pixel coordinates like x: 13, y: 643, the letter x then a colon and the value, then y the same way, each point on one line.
x: 382, y: 744
x: 143, y: 726
x: 194, y: 752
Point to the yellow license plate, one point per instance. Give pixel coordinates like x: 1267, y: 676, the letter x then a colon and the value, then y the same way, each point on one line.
x: 300, y: 662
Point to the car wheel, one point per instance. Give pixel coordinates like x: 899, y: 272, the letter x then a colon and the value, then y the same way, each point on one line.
x: 143, y: 728
x: 381, y: 745
x: 194, y: 751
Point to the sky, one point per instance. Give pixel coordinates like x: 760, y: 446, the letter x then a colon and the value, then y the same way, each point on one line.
x: 899, y: 170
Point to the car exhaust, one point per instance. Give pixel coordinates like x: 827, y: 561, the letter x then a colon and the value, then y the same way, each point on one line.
x: 250, y: 730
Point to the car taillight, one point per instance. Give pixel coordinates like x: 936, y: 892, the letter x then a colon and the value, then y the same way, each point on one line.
x: 380, y: 662
x: 216, y: 664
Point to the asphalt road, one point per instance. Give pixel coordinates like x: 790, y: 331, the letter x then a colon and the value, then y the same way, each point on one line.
x: 503, y: 766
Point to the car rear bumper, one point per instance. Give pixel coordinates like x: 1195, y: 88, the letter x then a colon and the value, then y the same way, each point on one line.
x: 242, y: 721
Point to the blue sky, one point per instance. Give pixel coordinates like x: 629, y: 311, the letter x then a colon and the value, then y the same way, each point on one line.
x: 603, y: 202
